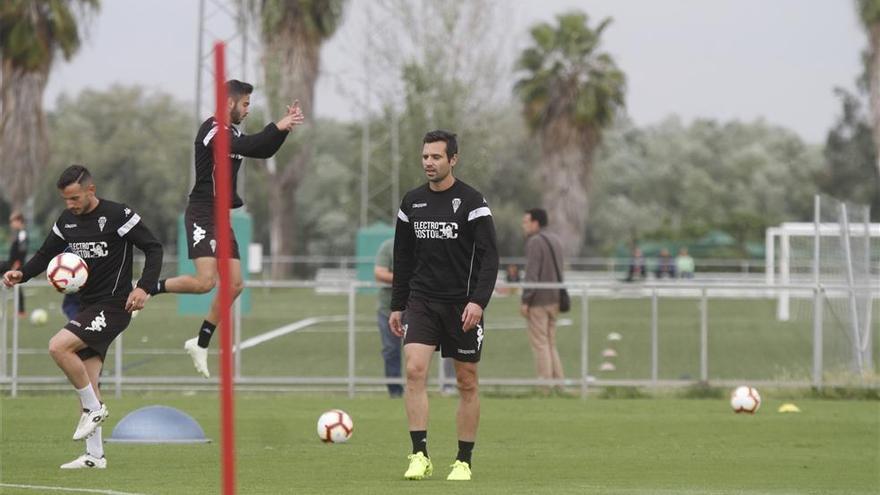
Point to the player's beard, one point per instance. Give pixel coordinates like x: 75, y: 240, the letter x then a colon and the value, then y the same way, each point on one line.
x: 235, y: 116
x: 439, y: 178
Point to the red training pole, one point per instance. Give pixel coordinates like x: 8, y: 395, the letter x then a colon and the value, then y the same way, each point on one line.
x: 222, y: 202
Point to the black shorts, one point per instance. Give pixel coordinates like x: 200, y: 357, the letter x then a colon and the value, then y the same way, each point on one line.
x: 439, y: 324
x: 97, y: 325
x: 201, y: 240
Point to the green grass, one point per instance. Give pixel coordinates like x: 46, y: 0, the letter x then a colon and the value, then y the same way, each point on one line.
x: 745, y: 340
x: 526, y: 445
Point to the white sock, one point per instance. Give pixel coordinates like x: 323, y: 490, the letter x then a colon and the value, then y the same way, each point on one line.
x: 95, y: 444
x: 88, y: 398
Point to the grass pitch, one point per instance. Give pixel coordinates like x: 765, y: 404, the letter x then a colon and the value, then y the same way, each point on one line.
x: 525, y: 445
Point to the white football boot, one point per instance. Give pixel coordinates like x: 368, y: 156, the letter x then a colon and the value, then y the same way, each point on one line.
x: 199, y: 356
x: 89, y: 421
x: 86, y: 461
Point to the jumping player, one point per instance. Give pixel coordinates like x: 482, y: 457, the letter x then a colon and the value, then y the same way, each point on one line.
x: 199, y: 215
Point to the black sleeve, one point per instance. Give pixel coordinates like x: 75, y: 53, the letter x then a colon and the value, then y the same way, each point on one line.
x: 404, y: 261
x: 141, y: 237
x: 263, y: 144
x: 487, y: 253
x: 52, y: 246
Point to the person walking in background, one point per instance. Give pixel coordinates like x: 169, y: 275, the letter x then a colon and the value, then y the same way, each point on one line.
x: 18, y: 249
x: 383, y: 271
x: 684, y: 263
x: 540, y: 307
x: 665, y: 265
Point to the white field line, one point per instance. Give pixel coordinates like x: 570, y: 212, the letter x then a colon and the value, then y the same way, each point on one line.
x: 286, y: 329
x: 63, y: 489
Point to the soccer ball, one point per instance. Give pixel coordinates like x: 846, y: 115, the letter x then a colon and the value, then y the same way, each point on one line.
x: 67, y: 272
x: 335, y: 426
x: 39, y: 316
x: 745, y: 400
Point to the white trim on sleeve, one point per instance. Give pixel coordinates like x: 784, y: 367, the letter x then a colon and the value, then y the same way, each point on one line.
x: 401, y: 215
x: 134, y: 220
x: 210, y: 135
x: 57, y: 231
x: 482, y: 211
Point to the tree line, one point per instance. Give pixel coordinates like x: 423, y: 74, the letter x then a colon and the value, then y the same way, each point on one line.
x: 567, y: 144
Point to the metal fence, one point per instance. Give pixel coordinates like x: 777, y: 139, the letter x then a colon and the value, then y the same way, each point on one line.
x: 584, y: 296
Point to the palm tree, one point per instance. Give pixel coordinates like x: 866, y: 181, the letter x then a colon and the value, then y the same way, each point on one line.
x: 293, y: 32
x: 32, y: 34
x: 869, y: 13
x: 570, y: 91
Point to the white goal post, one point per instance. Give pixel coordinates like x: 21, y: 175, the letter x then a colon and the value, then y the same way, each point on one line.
x: 836, y: 261
x: 779, y: 269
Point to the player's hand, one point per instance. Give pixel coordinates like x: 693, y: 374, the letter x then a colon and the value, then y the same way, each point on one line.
x: 136, y: 300
x: 472, y: 315
x: 524, y: 310
x: 293, y: 118
x: 395, y: 321
x: 11, y: 278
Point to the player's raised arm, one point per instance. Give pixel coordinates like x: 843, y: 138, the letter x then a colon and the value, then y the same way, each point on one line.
x: 266, y: 143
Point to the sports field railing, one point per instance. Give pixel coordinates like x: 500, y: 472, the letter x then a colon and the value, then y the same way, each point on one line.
x: 659, y: 334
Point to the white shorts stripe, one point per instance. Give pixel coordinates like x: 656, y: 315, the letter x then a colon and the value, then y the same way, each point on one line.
x: 57, y: 232
x: 128, y: 225
x: 401, y: 215
x: 482, y: 211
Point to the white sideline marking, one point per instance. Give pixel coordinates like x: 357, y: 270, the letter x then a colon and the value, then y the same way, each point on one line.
x: 286, y: 329
x: 63, y: 489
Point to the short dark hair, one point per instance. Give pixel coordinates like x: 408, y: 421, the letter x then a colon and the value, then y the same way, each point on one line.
x: 445, y: 136
x: 74, y: 174
x: 539, y: 215
x: 235, y: 89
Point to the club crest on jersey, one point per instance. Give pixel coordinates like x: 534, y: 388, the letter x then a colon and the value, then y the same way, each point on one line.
x: 102, y: 221
x: 127, y: 211
x: 213, y: 246
x: 455, y: 204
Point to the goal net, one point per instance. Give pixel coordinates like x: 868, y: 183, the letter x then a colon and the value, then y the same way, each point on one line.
x: 838, y: 253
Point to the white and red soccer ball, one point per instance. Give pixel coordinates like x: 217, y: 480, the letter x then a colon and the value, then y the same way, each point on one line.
x: 745, y: 400
x: 67, y: 272
x: 335, y: 426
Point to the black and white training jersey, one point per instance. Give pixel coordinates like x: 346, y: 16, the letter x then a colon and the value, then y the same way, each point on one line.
x: 444, y: 247
x: 104, y: 239
x: 263, y: 144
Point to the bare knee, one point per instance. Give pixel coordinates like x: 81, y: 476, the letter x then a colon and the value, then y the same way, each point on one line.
x: 416, y: 372
x: 468, y: 385
x: 57, y: 348
x: 237, y: 288
x: 204, y: 284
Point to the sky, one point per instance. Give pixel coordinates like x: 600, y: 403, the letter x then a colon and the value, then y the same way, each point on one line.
x: 776, y: 60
